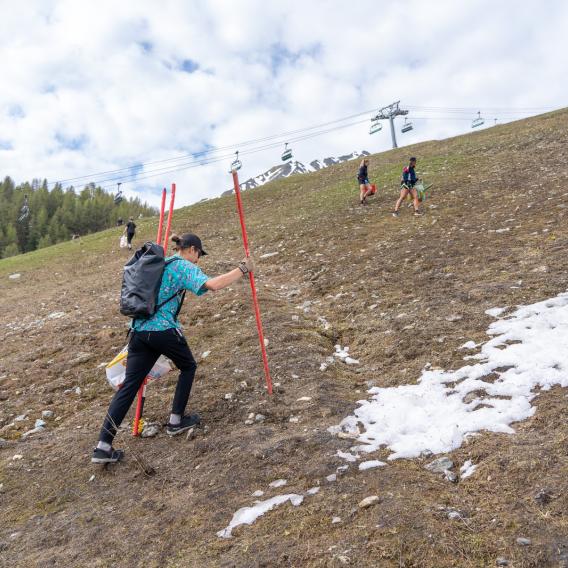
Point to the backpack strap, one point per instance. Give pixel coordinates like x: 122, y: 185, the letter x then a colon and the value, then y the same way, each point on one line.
x: 180, y: 293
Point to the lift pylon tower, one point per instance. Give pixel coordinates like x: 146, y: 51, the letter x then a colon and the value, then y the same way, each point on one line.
x: 388, y: 113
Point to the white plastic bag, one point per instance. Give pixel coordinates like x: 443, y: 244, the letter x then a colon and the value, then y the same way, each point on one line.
x: 123, y: 242
x: 116, y: 369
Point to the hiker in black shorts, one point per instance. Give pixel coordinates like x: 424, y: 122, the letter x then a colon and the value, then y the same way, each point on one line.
x: 129, y: 231
x: 363, y: 179
x: 407, y: 183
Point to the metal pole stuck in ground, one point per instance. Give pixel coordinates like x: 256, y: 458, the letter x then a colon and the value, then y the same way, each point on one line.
x: 252, y: 283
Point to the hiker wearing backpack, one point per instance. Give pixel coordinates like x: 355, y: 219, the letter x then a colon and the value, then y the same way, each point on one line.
x: 161, y: 334
x: 407, y: 182
x: 129, y: 231
x: 365, y: 188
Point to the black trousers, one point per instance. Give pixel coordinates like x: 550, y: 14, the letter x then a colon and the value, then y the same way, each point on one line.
x: 129, y: 237
x: 143, y: 351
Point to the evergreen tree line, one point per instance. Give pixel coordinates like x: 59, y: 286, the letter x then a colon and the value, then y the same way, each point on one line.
x: 56, y: 215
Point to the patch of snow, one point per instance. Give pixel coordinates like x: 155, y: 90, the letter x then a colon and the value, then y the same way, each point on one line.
x: 248, y: 515
x: 370, y: 464
x: 313, y: 491
x: 495, y: 312
x: 467, y: 469
x: 278, y: 483
x: 268, y: 254
x: 258, y: 493
x: 14, y: 276
x: 346, y: 456
x: 432, y: 415
x: 469, y: 345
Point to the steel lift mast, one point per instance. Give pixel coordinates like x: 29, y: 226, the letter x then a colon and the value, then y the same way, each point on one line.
x: 389, y: 113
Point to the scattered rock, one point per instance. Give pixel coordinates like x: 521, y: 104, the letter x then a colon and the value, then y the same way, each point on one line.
x: 39, y: 423
x: 31, y: 432
x: 21, y: 418
x: 335, y: 520
x: 502, y: 561
x: 369, y: 501
x: 205, y: 354
x: 303, y: 398
x: 82, y: 357
x: 454, y: 515
x: 92, y: 478
x: 191, y: 433
x: 150, y: 430
x: 450, y: 476
x: 47, y: 414
x: 259, y: 418
x: 77, y: 391
x: 294, y: 419
x: 331, y: 478
x: 522, y: 541
x: 4, y: 443
x: 440, y: 465
x: 454, y: 317
x: 229, y: 396
x: 14, y: 276
x: 543, y: 497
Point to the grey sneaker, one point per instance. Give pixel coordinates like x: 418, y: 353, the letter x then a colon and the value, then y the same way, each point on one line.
x: 186, y: 423
x: 102, y: 456
x: 395, y: 213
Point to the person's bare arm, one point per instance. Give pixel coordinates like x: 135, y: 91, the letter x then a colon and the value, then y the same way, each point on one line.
x: 224, y: 280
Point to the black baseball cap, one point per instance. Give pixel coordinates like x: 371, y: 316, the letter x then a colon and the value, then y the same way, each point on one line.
x: 190, y: 240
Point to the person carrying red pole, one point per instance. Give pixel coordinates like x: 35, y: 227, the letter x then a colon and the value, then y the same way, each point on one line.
x: 161, y: 334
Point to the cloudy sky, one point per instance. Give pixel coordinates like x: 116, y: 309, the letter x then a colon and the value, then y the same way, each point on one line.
x: 90, y: 87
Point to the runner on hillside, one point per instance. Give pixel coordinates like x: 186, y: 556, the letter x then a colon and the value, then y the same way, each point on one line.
x: 129, y: 231
x: 161, y: 334
x: 407, y: 182
x: 363, y: 179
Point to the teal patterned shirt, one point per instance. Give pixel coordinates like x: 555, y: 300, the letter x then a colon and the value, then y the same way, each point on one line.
x: 178, y: 275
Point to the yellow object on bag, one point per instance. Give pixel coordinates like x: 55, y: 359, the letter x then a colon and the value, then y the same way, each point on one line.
x: 116, y: 369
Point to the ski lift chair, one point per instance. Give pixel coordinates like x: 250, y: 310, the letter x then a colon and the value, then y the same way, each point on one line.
x: 376, y: 126
x: 236, y: 163
x: 287, y: 154
x: 407, y: 126
x: 118, y: 195
x: 477, y: 121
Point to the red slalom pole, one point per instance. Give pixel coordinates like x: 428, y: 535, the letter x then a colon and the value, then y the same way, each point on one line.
x: 170, y: 213
x: 252, y: 283
x: 161, y: 222
x: 142, y: 389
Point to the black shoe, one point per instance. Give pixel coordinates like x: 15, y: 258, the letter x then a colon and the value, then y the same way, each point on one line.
x: 102, y: 456
x: 186, y: 423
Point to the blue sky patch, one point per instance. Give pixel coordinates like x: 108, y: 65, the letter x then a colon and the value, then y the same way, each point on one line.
x: 71, y: 143
x: 189, y: 66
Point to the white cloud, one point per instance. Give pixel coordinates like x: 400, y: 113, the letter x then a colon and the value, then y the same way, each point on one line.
x: 90, y: 87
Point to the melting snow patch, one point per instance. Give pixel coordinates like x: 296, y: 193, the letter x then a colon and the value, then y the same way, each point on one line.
x: 495, y: 312
x: 467, y: 469
x: 346, y: 456
x: 371, y: 464
x: 248, y: 515
x: 436, y: 414
x: 278, y: 483
x: 268, y: 254
x: 313, y: 491
x: 469, y: 345
x: 342, y: 353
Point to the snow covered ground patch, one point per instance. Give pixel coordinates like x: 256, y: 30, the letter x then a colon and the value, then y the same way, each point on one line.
x: 445, y: 407
x: 248, y: 515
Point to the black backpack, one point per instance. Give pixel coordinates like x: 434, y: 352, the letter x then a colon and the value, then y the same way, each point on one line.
x: 141, y: 282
